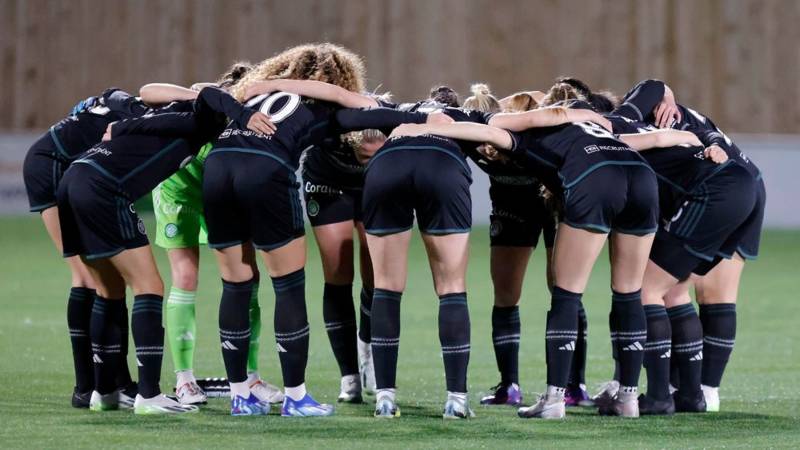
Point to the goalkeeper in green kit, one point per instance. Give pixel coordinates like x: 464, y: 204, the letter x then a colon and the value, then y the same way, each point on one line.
x: 181, y: 229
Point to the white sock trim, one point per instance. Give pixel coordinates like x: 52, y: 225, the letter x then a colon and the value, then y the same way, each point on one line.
x: 296, y: 393
x: 390, y: 394
x: 241, y: 389
x: 185, y: 376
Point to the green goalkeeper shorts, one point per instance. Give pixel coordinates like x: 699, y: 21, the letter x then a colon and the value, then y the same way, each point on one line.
x: 178, y: 206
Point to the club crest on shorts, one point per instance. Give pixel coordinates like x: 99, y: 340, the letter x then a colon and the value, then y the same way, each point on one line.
x: 495, y: 228
x: 171, y: 230
x: 313, y: 208
x: 140, y: 226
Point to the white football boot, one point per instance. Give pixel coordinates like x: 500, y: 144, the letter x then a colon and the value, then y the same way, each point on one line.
x: 457, y: 406
x: 385, y: 404
x: 711, y: 395
x: 191, y: 394
x: 606, y: 395
x: 350, y: 390
x: 104, y: 402
x: 266, y: 392
x: 551, y: 405
x: 160, y: 404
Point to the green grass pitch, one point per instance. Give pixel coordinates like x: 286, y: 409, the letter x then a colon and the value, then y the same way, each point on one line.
x: 759, y: 397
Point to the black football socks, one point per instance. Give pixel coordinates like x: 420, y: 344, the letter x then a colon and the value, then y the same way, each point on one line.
x: 687, y: 347
x: 657, y: 352
x: 561, y: 335
x: 234, y: 327
x: 340, y: 323
x: 385, y: 336
x: 628, y: 336
x: 291, y: 326
x: 105, y: 336
x: 505, y: 338
x: 79, y: 316
x: 719, y: 335
x: 148, y: 338
x: 577, y: 373
x: 454, y: 337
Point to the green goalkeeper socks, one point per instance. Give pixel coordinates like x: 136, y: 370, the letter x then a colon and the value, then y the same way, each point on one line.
x: 255, y: 330
x: 181, y: 327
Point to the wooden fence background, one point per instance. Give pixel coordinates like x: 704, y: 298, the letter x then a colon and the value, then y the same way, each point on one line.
x: 737, y: 60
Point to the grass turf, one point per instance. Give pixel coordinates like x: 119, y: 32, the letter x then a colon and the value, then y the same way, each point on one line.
x: 759, y: 398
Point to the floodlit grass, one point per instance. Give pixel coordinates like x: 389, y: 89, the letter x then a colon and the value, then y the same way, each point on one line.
x: 759, y: 394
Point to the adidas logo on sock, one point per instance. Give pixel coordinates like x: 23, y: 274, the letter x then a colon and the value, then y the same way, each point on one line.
x: 96, y: 359
x: 666, y: 354
x: 697, y: 357
x: 280, y: 348
x: 227, y: 345
x: 636, y: 346
x: 188, y: 336
x: 570, y: 346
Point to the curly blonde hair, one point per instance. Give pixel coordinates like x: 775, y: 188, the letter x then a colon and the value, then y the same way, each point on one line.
x: 326, y: 62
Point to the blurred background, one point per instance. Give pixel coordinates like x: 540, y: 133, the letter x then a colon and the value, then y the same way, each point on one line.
x: 737, y: 61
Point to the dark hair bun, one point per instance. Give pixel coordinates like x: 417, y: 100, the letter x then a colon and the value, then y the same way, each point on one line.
x: 238, y: 71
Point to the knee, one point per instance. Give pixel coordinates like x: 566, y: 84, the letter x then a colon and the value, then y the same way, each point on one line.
x: 390, y: 284
x: 678, y: 298
x: 714, y: 300
x: 710, y: 294
x: 184, y: 276
x: 671, y: 301
x: 149, y: 285
x: 341, y: 273
x: 236, y: 273
x: 505, y: 296
x: 453, y: 286
x: 652, y: 298
x: 626, y: 286
x: 110, y: 292
x: 81, y: 277
x: 83, y: 280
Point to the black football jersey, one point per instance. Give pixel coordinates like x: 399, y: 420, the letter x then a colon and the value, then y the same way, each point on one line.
x: 639, y: 104
x: 303, y: 123
x: 76, y: 133
x: 561, y: 156
x: 680, y: 169
x: 146, y: 150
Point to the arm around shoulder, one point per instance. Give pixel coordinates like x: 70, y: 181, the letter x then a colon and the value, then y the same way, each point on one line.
x: 162, y: 93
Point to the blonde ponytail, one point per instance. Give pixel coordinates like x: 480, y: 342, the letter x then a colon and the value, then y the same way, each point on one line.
x: 482, y: 99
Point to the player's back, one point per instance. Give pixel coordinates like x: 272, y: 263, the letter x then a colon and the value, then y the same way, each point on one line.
x: 139, y: 161
x: 300, y: 122
x: 78, y: 132
x: 692, y: 120
x: 562, y: 155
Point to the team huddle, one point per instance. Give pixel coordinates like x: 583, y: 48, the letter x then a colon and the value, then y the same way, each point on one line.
x: 680, y: 205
